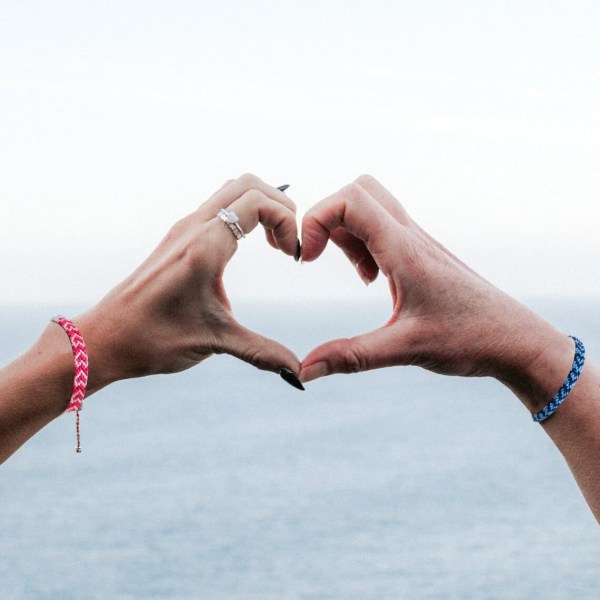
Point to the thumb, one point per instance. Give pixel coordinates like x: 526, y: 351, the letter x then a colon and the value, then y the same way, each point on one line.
x: 263, y: 353
x: 372, y: 350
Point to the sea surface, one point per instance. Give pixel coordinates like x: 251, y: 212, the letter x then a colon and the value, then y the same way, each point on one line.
x: 224, y: 482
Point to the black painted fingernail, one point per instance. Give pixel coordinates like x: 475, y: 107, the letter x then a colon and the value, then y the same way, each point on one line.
x: 290, y: 377
x: 283, y: 187
x: 298, y: 251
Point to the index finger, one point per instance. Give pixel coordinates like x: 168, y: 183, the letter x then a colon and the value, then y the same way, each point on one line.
x: 235, y: 188
x: 352, y: 208
x: 254, y: 207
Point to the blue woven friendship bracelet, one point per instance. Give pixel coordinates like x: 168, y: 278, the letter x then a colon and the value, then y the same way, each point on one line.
x: 567, y: 386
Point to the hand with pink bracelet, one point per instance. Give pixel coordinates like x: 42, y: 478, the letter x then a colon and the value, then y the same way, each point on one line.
x: 169, y: 315
x: 173, y: 313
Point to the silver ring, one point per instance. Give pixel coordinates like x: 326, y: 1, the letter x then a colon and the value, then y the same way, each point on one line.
x: 233, y: 222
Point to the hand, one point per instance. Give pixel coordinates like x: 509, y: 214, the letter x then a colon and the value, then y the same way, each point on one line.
x: 173, y: 312
x: 445, y: 317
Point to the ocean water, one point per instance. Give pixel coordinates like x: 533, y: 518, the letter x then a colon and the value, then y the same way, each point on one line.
x: 224, y: 482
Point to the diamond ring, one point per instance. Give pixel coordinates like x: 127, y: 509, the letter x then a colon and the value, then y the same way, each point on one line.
x: 233, y: 222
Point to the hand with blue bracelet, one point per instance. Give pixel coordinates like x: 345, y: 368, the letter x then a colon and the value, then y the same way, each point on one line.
x: 448, y: 319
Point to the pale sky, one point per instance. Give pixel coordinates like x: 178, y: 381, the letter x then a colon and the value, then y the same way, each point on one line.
x: 118, y: 118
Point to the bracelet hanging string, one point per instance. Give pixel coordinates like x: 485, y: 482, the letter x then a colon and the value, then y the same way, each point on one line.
x: 81, y: 370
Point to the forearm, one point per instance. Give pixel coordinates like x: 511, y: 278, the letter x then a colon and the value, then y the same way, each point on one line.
x: 448, y: 319
x: 575, y: 426
x: 35, y: 389
x: 575, y: 429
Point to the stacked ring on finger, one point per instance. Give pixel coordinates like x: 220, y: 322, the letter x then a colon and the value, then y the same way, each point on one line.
x: 233, y: 222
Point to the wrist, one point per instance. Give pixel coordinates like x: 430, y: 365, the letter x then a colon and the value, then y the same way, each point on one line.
x: 46, y: 370
x: 538, y: 364
x: 104, y: 366
x: 119, y: 345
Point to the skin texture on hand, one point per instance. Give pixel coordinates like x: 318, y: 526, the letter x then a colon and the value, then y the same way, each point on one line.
x: 445, y: 317
x: 169, y: 315
x: 173, y: 312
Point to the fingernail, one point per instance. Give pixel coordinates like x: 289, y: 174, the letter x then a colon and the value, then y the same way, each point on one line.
x: 319, y: 369
x: 289, y: 376
x: 298, y: 251
x: 283, y: 187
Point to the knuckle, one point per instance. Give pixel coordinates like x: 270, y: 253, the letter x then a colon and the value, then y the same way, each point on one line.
x: 253, y: 197
x: 365, y: 180
x: 354, y: 192
x: 192, y: 256
x: 257, y: 358
x: 192, y: 251
x: 308, y: 218
x: 353, y: 358
x: 177, y: 231
x: 248, y: 180
x: 292, y: 206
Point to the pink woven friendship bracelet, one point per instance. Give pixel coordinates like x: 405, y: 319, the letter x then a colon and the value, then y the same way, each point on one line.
x: 80, y: 380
